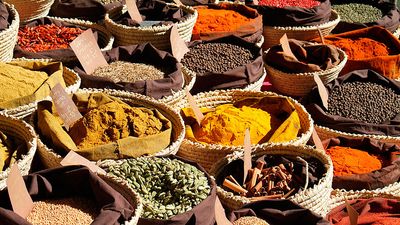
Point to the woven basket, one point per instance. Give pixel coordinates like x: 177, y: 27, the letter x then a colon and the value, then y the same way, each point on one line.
x: 105, y: 38
x: 300, y: 84
x: 9, y: 36
x: 189, y: 78
x: 316, y: 198
x: 207, y: 154
x: 51, y: 159
x: 397, y: 33
x: 326, y: 133
x: 156, y: 35
x: 338, y: 198
x: 122, y: 187
x: 273, y: 34
x: 71, y: 79
x: 31, y: 9
x: 22, y: 131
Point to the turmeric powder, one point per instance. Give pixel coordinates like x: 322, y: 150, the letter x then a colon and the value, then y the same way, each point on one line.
x: 227, y: 125
x: 348, y: 161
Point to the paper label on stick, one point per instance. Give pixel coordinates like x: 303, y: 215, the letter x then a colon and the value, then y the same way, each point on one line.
x: 133, y: 10
x: 21, y: 201
x: 286, y: 47
x: 220, y: 217
x: 178, y: 45
x: 65, y: 107
x: 322, y: 91
x: 317, y: 141
x: 246, y: 154
x: 88, y: 52
x: 192, y: 103
x: 321, y: 36
x: 353, y: 214
x: 72, y: 158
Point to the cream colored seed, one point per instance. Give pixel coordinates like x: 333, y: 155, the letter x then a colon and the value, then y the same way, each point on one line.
x: 71, y: 211
x: 250, y: 220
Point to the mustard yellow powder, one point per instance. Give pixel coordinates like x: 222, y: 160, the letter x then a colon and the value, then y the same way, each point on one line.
x: 111, y: 122
x: 18, y: 82
x: 227, y: 125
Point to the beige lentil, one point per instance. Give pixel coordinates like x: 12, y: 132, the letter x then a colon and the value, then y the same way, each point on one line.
x: 250, y: 220
x: 120, y: 71
x: 64, y: 211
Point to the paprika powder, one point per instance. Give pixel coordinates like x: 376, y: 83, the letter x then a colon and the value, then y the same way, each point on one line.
x: 290, y: 3
x: 348, y: 161
x: 361, y: 48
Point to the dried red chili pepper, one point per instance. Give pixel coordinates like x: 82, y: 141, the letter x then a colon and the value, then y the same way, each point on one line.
x: 46, y: 37
x: 284, y: 3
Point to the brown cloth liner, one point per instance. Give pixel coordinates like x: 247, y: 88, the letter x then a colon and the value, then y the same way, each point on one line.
x: 71, y: 181
x: 315, y: 169
x: 91, y: 10
x: 236, y: 78
x: 63, y: 55
x: 368, y: 210
x: 278, y: 212
x: 143, y: 53
x: 201, y: 214
x: 311, y: 57
x: 388, y: 66
x: 295, y: 16
x: 314, y: 106
x: 389, y: 174
x: 389, y: 21
x: 251, y: 31
x: 52, y: 130
x: 155, y: 10
x: 5, y: 18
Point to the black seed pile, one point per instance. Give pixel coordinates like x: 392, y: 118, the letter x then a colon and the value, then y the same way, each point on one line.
x: 364, y: 101
x: 216, y: 57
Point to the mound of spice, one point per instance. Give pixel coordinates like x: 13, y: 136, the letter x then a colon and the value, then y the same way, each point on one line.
x: 290, y: 3
x: 46, y: 37
x: 216, y: 57
x: 120, y: 71
x: 71, y: 210
x: 358, y: 12
x: 227, y: 124
x: 348, y: 161
x: 211, y: 20
x: 364, y: 101
x: 361, y: 48
x: 111, y: 122
x: 274, y: 182
x: 168, y: 187
x: 17, y: 81
x: 250, y: 220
